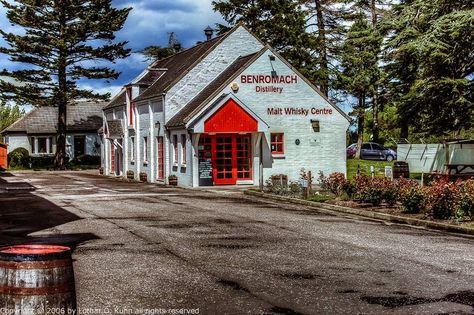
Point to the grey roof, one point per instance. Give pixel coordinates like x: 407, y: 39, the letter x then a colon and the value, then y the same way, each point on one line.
x: 81, y: 117
x: 119, y: 100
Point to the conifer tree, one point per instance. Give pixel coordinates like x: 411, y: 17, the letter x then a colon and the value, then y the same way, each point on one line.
x: 62, y: 41
x: 430, y: 54
x: 280, y: 23
x: 156, y: 52
x: 359, y: 69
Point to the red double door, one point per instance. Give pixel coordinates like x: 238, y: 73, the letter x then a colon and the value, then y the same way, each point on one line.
x: 231, y: 157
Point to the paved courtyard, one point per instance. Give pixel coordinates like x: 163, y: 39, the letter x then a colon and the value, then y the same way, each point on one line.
x: 139, y: 247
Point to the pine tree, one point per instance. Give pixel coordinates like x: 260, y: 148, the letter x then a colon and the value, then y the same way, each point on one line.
x: 360, y: 70
x: 280, y: 23
x: 61, y: 39
x: 156, y: 52
x: 329, y: 18
x: 430, y: 60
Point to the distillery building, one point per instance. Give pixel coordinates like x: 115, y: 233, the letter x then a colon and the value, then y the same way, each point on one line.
x: 220, y: 113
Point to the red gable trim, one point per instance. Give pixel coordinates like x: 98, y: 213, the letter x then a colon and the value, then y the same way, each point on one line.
x: 231, y: 118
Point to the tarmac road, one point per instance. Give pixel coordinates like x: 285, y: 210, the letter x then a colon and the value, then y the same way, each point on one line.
x: 142, y: 249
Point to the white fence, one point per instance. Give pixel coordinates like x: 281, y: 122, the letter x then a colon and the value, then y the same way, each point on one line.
x: 428, y: 158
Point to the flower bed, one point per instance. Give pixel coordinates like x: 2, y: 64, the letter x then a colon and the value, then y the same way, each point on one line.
x: 441, y: 200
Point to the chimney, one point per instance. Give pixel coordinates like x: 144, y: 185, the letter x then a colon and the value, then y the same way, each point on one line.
x: 177, y: 47
x: 208, y: 31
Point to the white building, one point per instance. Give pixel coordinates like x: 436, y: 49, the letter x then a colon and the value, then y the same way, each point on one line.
x: 212, y: 113
x: 37, y: 130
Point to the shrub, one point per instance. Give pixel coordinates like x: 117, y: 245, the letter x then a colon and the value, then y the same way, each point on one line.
x: 375, y: 190
x: 443, y: 198
x: 411, y: 195
x: 42, y: 161
x: 86, y: 160
x: 19, y: 158
x: 282, y: 188
x: 336, y: 183
x: 466, y: 198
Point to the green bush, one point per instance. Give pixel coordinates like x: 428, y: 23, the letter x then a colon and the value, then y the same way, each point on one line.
x: 19, y: 158
x: 466, y: 198
x: 40, y: 162
x: 443, y: 198
x: 86, y: 160
x: 374, y: 190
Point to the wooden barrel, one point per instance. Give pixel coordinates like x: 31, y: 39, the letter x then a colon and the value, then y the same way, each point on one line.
x: 401, y: 169
x: 37, y: 280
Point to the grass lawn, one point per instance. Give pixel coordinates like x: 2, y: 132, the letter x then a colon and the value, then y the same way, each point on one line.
x: 365, y: 168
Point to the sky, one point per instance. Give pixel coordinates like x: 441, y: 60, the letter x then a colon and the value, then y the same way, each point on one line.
x: 148, y: 23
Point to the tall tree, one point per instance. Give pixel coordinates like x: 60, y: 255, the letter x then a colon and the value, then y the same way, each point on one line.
x: 328, y: 18
x: 435, y: 40
x: 281, y: 24
x: 9, y: 114
x: 156, y: 52
x: 62, y: 41
x: 360, y: 70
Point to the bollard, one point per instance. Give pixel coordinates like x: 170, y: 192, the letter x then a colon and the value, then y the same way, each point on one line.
x: 37, y: 279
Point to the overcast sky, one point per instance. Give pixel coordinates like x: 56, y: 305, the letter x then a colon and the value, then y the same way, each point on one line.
x: 149, y: 23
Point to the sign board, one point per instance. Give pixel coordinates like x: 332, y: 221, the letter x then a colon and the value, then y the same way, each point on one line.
x: 205, y: 172
x: 304, y: 183
x: 115, y: 129
x: 388, y: 171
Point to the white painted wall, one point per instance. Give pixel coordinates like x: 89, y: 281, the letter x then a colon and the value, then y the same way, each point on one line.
x: 19, y: 141
x: 239, y: 43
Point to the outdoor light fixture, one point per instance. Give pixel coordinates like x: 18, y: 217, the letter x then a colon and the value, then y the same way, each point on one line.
x: 208, y: 31
x: 234, y: 87
x: 315, y: 125
x: 273, y: 72
x: 158, y: 126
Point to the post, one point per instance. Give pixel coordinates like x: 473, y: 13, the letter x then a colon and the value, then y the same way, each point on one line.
x: 308, y: 188
x: 260, y: 166
x: 372, y: 171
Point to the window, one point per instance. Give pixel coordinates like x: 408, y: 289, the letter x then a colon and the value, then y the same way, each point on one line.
x: 42, y: 145
x: 145, y: 149
x: 132, y: 148
x: 183, y: 149
x: 366, y: 146
x: 175, y: 149
x: 277, y: 143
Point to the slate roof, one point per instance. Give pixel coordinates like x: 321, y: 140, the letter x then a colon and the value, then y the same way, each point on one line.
x: 199, y: 101
x: 119, y: 100
x: 81, y: 117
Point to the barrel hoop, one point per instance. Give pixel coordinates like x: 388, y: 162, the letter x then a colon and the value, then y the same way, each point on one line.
x: 47, y: 264
x: 64, y: 288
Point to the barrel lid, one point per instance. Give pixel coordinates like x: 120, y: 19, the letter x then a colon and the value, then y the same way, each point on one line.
x: 36, y: 252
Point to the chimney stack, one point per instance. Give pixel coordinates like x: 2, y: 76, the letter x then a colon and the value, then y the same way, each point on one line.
x: 208, y: 31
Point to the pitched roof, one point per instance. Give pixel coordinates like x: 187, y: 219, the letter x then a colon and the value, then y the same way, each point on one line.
x: 176, y: 65
x: 119, y: 100
x: 81, y: 116
x: 199, y: 101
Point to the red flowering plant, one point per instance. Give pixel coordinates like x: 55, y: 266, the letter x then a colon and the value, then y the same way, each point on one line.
x: 411, y: 195
x: 336, y: 183
x: 466, y: 198
x: 443, y: 198
x: 375, y: 190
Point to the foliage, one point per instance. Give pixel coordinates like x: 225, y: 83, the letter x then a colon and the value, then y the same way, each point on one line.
x: 9, y: 114
x: 281, y: 24
x: 442, y: 198
x: 86, y: 160
x: 277, y: 187
x: 429, y: 64
x: 336, y: 183
x: 411, y: 194
x: 19, y: 158
x: 374, y: 190
x: 156, y: 52
x: 320, y: 198
x: 57, y: 45
x: 466, y: 198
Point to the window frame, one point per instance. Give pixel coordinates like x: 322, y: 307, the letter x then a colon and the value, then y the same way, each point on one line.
x: 132, y: 149
x: 145, y: 149
x: 276, y: 143
x: 175, y: 149
x: 183, y: 149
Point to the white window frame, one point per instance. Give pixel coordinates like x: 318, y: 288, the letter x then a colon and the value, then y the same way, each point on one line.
x: 183, y: 149
x: 145, y: 149
x: 35, y: 145
x: 132, y: 149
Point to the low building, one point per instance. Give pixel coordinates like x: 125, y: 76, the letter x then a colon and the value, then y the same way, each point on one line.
x: 220, y: 113
x: 37, y: 130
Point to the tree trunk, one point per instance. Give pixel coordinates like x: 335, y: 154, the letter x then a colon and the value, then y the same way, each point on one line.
x: 360, y: 125
x: 323, y: 64
x: 375, y: 99
x: 61, y: 98
x: 373, y: 10
x: 404, y: 129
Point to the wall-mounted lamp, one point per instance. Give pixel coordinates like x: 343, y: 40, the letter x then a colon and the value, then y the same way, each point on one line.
x: 272, y: 58
x: 234, y: 87
x: 158, y: 126
x: 315, y: 125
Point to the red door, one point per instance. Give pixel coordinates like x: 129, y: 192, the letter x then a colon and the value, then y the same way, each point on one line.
x: 232, y: 158
x: 112, y: 157
x: 3, y: 157
x: 161, y: 157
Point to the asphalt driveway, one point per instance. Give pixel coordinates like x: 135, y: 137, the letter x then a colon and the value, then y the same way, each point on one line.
x: 140, y: 249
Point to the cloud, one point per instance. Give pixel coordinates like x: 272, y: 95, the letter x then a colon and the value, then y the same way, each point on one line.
x: 149, y: 23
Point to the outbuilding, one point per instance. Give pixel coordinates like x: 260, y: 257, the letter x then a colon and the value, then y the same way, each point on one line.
x: 220, y: 113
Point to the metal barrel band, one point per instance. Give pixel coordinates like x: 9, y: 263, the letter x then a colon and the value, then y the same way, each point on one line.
x: 64, y: 288
x: 45, y: 264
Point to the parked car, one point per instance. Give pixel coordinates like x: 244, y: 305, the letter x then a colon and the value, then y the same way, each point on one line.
x: 372, y: 151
